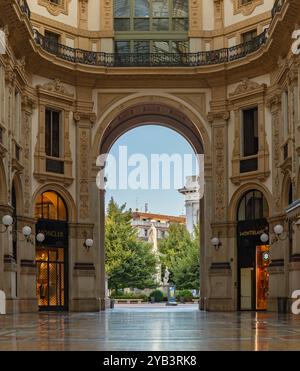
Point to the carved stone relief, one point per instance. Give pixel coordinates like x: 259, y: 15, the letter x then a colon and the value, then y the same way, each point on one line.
x: 61, y: 7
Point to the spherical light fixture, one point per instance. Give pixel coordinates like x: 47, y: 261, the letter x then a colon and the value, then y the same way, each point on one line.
x: 215, y: 241
x: 89, y: 243
x: 26, y: 231
x: 264, y: 238
x: 278, y: 229
x: 40, y: 237
x: 7, y: 220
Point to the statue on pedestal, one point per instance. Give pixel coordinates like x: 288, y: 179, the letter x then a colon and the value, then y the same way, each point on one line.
x: 166, y: 277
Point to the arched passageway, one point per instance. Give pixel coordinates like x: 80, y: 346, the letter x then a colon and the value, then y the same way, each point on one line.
x: 192, y: 129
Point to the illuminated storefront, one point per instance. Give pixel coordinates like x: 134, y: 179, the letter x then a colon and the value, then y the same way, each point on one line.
x: 253, y: 257
x: 51, y: 256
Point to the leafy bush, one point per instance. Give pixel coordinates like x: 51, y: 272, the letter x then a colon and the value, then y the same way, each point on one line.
x: 186, y: 295
x: 157, y: 295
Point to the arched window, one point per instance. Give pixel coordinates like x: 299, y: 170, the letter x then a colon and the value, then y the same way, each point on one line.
x: 252, y: 206
x: 49, y: 205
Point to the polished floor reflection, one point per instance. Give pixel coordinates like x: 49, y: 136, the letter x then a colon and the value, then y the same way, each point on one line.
x: 150, y: 328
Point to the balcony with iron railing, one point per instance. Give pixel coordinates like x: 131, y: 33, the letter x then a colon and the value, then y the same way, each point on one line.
x: 150, y: 59
x: 277, y: 7
x: 25, y: 7
x: 198, y: 59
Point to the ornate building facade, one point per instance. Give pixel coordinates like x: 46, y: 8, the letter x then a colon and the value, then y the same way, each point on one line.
x: 77, y: 74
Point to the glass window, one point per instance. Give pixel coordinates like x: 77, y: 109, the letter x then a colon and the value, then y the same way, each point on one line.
x: 160, y: 8
x: 180, y: 8
x: 253, y: 205
x: 161, y: 47
x: 52, y: 133
x: 122, y: 24
x: 141, y: 24
x: 248, y: 36
x: 250, y: 132
x: 50, y: 205
x: 141, y: 47
x: 133, y: 18
x: 142, y: 8
x: 122, y: 47
x: 122, y: 8
x: 180, y: 47
x: 180, y: 24
x: 160, y: 24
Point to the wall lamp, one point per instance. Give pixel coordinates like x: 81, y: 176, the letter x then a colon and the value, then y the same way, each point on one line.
x: 278, y: 233
x: 26, y: 232
x: 215, y: 241
x: 88, y: 242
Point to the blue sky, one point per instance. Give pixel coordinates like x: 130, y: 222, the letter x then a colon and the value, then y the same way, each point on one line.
x: 147, y: 140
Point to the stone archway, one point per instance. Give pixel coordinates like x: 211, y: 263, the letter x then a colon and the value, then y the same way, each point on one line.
x: 176, y: 117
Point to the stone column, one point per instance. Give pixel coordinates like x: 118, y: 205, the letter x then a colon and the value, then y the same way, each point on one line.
x: 83, y: 262
x: 220, y: 269
x: 27, y: 300
x: 26, y: 251
x: 276, y: 268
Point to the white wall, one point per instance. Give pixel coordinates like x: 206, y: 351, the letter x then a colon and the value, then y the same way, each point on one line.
x: 230, y: 18
x: 70, y: 19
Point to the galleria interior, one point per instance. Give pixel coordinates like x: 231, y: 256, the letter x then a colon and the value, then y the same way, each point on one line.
x: 76, y: 74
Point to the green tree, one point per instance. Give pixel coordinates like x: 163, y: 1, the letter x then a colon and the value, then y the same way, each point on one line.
x: 186, y: 268
x: 129, y: 262
x: 172, y: 247
x: 180, y: 253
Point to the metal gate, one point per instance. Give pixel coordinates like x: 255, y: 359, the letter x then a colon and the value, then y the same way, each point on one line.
x: 51, y: 275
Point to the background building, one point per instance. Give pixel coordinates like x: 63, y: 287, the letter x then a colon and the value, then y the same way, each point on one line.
x: 191, y: 194
x: 144, y: 222
x: 77, y: 74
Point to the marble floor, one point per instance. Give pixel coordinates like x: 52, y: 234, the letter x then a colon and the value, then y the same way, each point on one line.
x: 157, y: 328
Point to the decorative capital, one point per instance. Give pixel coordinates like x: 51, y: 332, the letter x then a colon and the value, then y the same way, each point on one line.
x: 85, y: 115
x: 217, y: 116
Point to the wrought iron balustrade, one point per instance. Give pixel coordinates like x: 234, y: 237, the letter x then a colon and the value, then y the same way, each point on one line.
x: 25, y: 7
x: 150, y: 59
x: 277, y: 7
